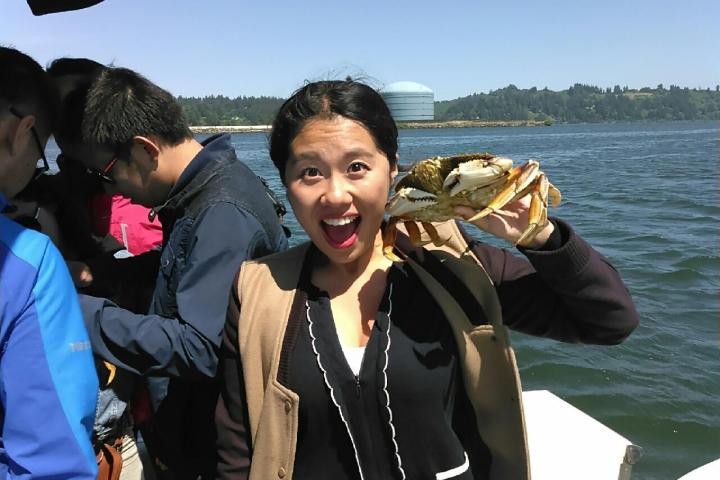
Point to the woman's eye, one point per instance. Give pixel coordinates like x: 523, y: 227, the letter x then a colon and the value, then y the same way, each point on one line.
x: 357, y: 167
x: 310, y: 172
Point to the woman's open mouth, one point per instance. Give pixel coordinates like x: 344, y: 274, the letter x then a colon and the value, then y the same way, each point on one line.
x: 341, y: 232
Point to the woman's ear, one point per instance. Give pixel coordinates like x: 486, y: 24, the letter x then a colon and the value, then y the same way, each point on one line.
x: 394, y: 168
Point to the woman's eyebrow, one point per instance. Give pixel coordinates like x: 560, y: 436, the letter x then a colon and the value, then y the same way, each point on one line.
x: 303, y: 157
x: 311, y: 156
x: 356, y: 153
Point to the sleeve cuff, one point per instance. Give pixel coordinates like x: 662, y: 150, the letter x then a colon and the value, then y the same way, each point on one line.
x: 564, y: 255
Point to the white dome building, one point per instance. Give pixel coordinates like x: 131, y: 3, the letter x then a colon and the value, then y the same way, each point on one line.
x: 409, y: 101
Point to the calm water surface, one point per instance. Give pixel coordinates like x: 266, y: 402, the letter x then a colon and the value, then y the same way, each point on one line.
x: 646, y: 196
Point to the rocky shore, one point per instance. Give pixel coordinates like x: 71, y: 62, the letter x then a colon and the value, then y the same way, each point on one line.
x: 230, y: 129
x: 431, y: 124
x: 474, y: 124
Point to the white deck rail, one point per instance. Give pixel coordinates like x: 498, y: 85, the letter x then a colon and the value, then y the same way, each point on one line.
x: 567, y: 444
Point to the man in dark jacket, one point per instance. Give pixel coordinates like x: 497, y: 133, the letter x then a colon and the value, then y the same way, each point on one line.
x: 215, y: 214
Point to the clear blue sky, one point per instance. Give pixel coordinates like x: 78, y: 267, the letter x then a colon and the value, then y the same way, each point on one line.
x: 241, y: 47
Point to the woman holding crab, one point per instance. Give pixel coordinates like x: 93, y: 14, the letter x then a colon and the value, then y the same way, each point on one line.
x: 341, y: 363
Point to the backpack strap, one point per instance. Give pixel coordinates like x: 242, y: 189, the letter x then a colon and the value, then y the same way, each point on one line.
x: 490, y: 373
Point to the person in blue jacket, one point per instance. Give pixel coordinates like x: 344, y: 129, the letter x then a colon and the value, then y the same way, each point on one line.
x: 215, y: 214
x: 48, y: 384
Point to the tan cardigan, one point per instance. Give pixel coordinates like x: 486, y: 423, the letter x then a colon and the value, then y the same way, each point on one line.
x: 266, y: 289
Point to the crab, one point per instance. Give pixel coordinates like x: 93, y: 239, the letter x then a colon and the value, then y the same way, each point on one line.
x: 482, y: 181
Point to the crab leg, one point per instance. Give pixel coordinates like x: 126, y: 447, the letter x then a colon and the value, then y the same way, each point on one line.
x: 389, y: 236
x: 518, y: 180
x: 414, y: 233
x: 434, y: 235
x: 555, y: 195
x: 537, y: 214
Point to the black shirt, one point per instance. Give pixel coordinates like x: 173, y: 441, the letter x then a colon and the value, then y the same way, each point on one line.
x: 397, y: 418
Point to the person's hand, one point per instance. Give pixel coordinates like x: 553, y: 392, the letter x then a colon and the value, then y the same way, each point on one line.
x: 509, y: 223
x: 80, y: 273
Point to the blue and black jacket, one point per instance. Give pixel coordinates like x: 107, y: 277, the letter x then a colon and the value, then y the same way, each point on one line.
x: 48, y: 384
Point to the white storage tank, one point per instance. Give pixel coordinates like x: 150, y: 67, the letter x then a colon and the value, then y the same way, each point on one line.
x: 409, y: 101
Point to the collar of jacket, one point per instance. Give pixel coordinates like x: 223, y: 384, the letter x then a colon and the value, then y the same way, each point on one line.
x: 217, y: 151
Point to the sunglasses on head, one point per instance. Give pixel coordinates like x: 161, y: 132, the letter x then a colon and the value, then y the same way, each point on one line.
x: 45, y: 166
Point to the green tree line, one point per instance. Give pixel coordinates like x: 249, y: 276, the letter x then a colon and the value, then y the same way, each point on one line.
x: 579, y: 103
x: 221, y: 110
x: 585, y: 103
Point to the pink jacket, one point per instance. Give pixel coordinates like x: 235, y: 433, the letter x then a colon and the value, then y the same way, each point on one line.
x: 127, y: 222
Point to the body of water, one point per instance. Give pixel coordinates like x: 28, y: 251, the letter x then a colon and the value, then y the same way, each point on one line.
x: 646, y: 196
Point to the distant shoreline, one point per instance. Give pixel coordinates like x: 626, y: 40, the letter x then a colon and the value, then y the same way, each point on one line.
x: 230, y: 129
x: 401, y: 125
x: 474, y: 124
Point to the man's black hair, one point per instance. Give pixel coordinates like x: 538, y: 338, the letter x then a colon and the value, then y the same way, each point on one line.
x: 72, y: 78
x: 25, y: 86
x: 122, y: 104
x: 64, y: 66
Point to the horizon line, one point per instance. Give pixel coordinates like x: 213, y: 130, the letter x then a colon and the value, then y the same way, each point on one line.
x: 624, y: 87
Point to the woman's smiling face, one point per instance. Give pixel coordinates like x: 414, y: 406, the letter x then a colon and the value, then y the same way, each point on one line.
x: 338, y: 182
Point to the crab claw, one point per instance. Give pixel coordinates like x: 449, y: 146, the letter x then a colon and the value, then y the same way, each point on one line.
x: 476, y: 174
x: 519, y: 178
x: 408, y: 200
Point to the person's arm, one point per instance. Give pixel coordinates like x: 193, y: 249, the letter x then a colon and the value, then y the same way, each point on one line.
x: 48, y: 380
x: 566, y: 291
x: 233, y: 430
x: 127, y: 282
x: 185, y: 346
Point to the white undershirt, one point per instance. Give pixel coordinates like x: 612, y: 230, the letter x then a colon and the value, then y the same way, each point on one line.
x: 354, y: 356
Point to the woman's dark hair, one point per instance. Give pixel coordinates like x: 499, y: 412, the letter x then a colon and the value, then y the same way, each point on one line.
x: 327, y: 99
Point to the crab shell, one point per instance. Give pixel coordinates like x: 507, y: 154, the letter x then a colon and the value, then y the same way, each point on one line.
x: 433, y: 188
